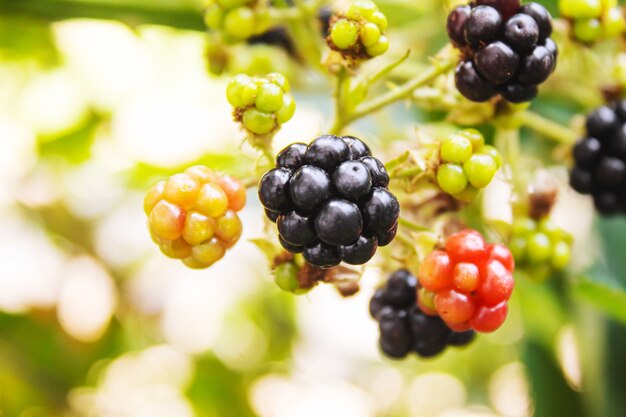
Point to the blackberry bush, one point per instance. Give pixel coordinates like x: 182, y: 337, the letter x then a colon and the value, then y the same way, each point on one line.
x: 330, y: 201
x: 468, y: 283
x: 506, y: 49
x: 193, y: 215
x: 600, y: 159
x: 261, y: 104
x: 466, y: 164
x: 360, y: 32
x: 403, y: 327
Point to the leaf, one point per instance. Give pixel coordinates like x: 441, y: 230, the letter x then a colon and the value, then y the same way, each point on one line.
x: 611, y: 301
x: 550, y: 392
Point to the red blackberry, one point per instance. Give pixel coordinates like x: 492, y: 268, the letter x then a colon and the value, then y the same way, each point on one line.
x: 469, y: 283
x: 330, y: 202
x: 403, y: 325
x: 506, y: 49
x: 600, y: 159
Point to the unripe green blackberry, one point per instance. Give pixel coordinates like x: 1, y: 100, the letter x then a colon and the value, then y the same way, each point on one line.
x: 237, y: 19
x: 193, y: 215
x: 286, y: 277
x: 359, y: 33
x: 540, y: 247
x: 261, y: 104
x: 593, y: 20
x: 466, y: 164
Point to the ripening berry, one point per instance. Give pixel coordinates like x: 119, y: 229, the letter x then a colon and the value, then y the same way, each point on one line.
x: 237, y: 19
x: 192, y: 216
x: 451, y: 178
x: 344, y: 33
x: 480, y: 169
x: 468, y: 282
x: 262, y: 104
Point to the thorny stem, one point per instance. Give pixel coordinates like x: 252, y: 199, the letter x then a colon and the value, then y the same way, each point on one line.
x: 548, y: 128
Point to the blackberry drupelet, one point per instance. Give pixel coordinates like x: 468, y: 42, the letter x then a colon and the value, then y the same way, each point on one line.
x: 330, y: 201
x: 404, y: 328
x: 506, y: 49
x: 600, y: 159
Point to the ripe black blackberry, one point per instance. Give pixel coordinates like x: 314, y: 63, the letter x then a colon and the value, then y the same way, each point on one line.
x: 330, y: 201
x: 506, y: 49
x: 404, y: 327
x: 600, y: 159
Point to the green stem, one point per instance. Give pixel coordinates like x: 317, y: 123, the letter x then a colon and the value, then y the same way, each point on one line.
x: 132, y: 14
x: 401, y: 92
x: 399, y: 160
x: 339, y: 122
x: 407, y: 173
x: 548, y: 128
x: 412, y: 226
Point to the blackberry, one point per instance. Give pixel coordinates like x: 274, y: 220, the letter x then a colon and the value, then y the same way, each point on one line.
x: 261, y: 104
x: 506, y: 49
x: 593, y: 20
x: 192, y: 215
x: 404, y: 327
x: 330, y: 201
x: 465, y: 163
x: 359, y: 34
x: 540, y: 247
x: 600, y: 159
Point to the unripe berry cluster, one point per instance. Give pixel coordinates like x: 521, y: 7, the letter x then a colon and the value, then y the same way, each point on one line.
x: 237, y: 19
x: 193, y: 215
x: 330, y: 201
x: 540, y: 247
x: 600, y: 159
x: 593, y: 20
x: 261, y: 104
x: 466, y: 163
x: 467, y: 284
x: 360, y: 33
x: 506, y: 49
x: 403, y: 327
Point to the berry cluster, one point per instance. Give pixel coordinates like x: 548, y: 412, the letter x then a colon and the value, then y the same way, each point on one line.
x: 468, y: 284
x: 330, y: 201
x: 261, y: 104
x: 360, y: 33
x: 404, y: 327
x: 467, y: 164
x: 540, y: 247
x: 600, y: 159
x: 506, y: 49
x: 237, y: 19
x: 593, y: 20
x: 192, y: 216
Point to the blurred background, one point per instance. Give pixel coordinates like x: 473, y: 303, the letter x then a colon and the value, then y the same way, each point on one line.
x: 99, y: 99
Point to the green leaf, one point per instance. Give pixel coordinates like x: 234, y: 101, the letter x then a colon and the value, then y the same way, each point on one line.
x: 551, y: 395
x: 611, y: 301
